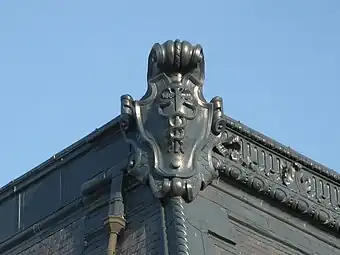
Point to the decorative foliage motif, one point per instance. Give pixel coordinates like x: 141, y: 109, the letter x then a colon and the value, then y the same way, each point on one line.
x: 173, y: 129
x: 288, y: 173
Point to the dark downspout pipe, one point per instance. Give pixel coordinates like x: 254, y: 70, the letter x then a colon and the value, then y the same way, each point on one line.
x: 115, y: 222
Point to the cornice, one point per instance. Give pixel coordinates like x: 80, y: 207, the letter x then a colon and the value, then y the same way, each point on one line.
x: 243, y: 172
x: 281, y: 149
x: 233, y: 124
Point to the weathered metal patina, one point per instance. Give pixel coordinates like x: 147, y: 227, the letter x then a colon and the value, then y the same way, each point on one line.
x: 173, y: 129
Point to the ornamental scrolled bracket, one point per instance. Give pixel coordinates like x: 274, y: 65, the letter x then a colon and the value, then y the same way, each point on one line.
x: 172, y: 130
x: 127, y: 112
x: 229, y: 147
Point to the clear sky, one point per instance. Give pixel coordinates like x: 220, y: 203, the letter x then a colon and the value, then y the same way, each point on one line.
x: 64, y: 65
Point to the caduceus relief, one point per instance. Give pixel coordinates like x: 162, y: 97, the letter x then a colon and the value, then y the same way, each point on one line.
x: 176, y: 104
x: 176, y: 127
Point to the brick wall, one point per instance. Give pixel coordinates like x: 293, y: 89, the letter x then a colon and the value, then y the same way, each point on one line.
x: 64, y: 237
x: 63, y: 241
x: 218, y: 221
x: 258, y: 227
x: 253, y: 243
x: 143, y: 233
x: 80, y: 232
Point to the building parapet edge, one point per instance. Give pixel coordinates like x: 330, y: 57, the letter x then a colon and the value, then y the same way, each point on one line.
x: 282, y: 149
x: 55, y: 161
x: 50, y: 164
x: 233, y: 124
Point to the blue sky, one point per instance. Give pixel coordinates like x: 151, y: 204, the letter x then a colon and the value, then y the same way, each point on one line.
x: 64, y: 65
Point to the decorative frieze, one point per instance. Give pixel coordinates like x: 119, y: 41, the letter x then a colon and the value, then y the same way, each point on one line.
x: 286, y: 182
x: 287, y: 152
